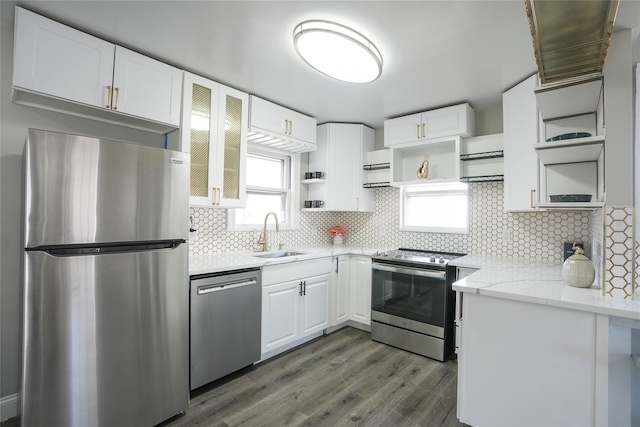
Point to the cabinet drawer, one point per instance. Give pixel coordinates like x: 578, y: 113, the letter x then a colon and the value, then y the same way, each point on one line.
x: 279, y: 273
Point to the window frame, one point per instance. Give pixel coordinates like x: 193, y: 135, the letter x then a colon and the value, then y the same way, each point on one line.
x: 439, y: 189
x: 292, y: 161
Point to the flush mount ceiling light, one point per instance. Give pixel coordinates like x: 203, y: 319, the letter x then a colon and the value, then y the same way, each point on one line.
x: 337, y: 51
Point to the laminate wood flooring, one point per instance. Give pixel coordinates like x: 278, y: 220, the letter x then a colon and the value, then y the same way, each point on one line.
x: 341, y: 379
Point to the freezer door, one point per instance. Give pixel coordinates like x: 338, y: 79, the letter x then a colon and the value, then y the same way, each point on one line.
x: 105, y: 338
x: 85, y: 190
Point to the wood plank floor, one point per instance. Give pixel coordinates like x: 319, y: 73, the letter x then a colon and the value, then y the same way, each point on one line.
x: 341, y: 379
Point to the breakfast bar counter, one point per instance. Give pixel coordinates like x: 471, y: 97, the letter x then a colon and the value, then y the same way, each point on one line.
x: 534, y: 351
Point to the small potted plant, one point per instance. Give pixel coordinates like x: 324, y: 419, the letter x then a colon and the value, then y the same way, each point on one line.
x: 337, y: 232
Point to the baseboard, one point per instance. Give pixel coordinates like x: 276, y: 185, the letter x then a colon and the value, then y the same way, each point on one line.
x: 8, y: 407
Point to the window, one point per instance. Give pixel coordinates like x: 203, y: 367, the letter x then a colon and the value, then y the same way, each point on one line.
x: 268, y: 185
x: 435, y: 208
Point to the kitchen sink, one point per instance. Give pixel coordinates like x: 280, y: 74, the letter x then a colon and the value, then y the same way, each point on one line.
x: 280, y: 254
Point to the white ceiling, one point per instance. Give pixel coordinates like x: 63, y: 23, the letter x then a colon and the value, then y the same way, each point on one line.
x: 435, y: 53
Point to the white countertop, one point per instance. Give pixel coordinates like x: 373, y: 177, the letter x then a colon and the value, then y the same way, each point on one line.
x: 214, y: 263
x: 537, y: 282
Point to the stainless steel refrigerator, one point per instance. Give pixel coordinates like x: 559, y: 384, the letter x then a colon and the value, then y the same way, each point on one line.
x: 105, y: 338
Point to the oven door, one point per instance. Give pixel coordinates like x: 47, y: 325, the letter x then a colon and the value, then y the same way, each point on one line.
x: 409, y: 298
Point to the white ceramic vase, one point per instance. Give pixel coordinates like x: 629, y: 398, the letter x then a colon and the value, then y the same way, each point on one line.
x: 578, y: 271
x: 338, y: 240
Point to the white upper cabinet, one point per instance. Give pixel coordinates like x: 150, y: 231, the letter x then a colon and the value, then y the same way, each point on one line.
x: 146, y: 88
x: 455, y: 120
x: 278, y: 127
x: 62, y: 69
x: 520, y: 125
x: 214, y: 131
x: 341, y: 152
x: 60, y: 61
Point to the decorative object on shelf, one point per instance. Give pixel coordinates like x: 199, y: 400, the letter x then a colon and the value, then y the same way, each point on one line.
x: 577, y: 270
x: 423, y: 170
x: 337, y: 233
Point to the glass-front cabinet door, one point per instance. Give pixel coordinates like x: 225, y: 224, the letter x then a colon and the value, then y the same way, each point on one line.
x: 214, y: 131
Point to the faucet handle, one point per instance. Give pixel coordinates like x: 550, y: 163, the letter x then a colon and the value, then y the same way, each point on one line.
x: 280, y: 246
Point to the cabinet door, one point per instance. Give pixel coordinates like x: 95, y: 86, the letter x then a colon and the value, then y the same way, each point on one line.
x: 60, y: 61
x: 233, y: 108
x: 344, y: 170
x: 520, y: 123
x: 403, y: 129
x: 199, y: 134
x: 315, y: 305
x: 280, y: 314
x: 146, y: 88
x: 268, y: 116
x: 454, y: 120
x: 340, y: 286
x: 360, y: 298
x: 514, y: 353
x: 302, y: 127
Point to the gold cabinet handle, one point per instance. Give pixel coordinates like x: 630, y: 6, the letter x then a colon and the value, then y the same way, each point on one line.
x: 290, y: 127
x: 531, y: 196
x: 219, y: 196
x: 423, y: 134
x: 108, y: 97
x: 213, y: 195
x: 117, y: 97
x: 418, y: 131
x: 357, y: 203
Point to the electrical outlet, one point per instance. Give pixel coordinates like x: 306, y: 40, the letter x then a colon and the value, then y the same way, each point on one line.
x: 506, y: 235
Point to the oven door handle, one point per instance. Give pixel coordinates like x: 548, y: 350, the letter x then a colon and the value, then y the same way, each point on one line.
x: 410, y: 270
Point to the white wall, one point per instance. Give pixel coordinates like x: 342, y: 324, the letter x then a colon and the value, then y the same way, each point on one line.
x: 14, y: 121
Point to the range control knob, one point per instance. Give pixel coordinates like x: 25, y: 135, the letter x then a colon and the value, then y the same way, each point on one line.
x: 441, y: 260
x: 432, y: 259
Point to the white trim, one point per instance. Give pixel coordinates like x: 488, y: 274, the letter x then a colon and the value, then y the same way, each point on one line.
x: 8, y: 407
x: 292, y: 161
x: 450, y: 189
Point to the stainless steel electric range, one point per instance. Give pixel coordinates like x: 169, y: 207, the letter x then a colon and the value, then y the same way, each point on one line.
x: 412, y: 301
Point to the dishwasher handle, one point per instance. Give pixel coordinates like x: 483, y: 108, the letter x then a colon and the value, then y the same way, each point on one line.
x: 207, y: 289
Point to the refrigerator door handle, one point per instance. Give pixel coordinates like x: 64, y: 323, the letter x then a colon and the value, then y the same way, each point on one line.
x: 79, y: 250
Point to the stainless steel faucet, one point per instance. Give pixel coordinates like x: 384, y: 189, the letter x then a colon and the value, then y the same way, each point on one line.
x: 262, y: 241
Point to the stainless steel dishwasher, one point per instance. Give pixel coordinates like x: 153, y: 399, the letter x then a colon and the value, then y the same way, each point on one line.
x: 225, y: 324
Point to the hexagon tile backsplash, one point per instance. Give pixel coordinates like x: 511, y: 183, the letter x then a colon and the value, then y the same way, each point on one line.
x: 620, y: 253
x: 492, y: 231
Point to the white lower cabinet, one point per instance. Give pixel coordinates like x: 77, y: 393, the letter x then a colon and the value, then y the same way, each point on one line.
x: 340, y: 289
x: 295, y: 302
x: 360, y: 291
x: 526, y: 364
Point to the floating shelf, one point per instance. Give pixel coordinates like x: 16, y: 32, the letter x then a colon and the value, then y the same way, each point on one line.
x: 487, y: 178
x: 417, y: 182
x: 377, y: 166
x: 313, y: 181
x: 313, y: 210
x: 570, y: 150
x: 376, y: 184
x: 576, y: 206
x: 485, y: 155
